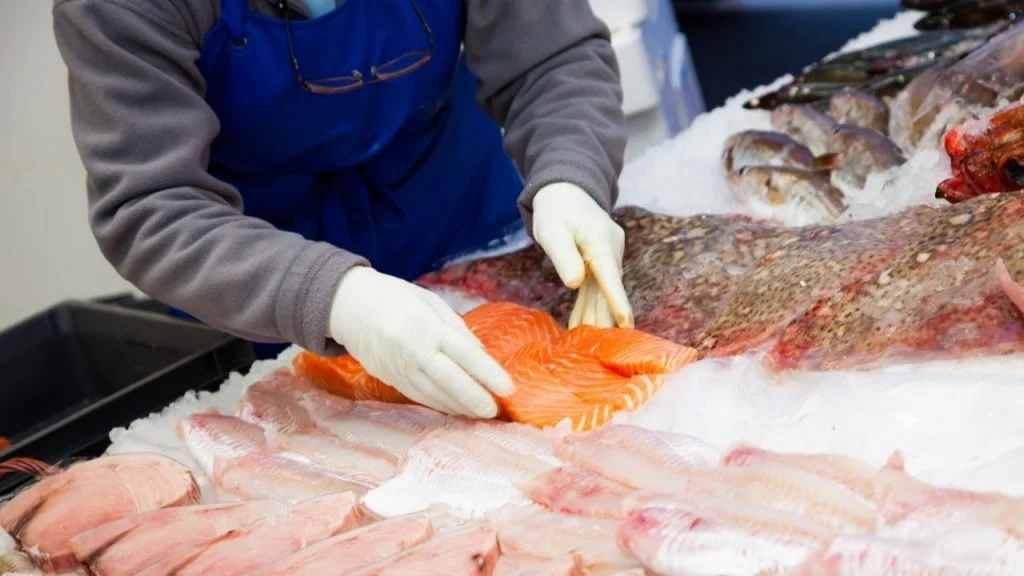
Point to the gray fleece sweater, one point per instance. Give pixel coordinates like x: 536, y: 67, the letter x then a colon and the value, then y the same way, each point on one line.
x: 547, y: 74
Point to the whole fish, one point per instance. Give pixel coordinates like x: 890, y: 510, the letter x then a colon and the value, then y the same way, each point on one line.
x: 764, y: 148
x: 859, y: 108
x: 806, y: 125
x: 863, y: 152
x: 793, y: 187
x: 986, y: 155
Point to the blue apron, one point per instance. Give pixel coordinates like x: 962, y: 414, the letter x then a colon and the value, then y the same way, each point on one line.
x: 408, y: 172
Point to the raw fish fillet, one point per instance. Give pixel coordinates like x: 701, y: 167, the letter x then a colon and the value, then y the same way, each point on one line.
x: 783, y: 488
x: 586, y: 374
x: 284, y: 477
x: 856, y: 476
x: 956, y: 552
x: 457, y: 468
x: 354, y: 549
x: 627, y: 351
x: 534, y: 531
x: 503, y: 328
x: 207, y: 436
x: 470, y: 552
x: 325, y: 449
x: 344, y: 376
x: 638, y: 457
x: 241, y: 551
x: 126, y: 546
x: 680, y: 542
x: 939, y: 298
x: 519, y: 438
x: 528, y: 566
x: 813, y: 264
x: 45, y: 517
x: 301, y: 390
x: 276, y: 412
x: 391, y: 428
x: 578, y: 491
x: 912, y: 508
x: 543, y: 398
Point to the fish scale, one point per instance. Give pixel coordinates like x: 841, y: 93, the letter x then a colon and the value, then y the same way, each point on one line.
x: 939, y: 296
x: 814, y: 264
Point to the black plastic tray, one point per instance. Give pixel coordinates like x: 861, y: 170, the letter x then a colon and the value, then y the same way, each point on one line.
x: 70, y: 374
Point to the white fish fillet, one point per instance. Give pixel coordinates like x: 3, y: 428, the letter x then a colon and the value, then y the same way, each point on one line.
x: 457, y: 468
x: 470, y: 552
x: 330, y: 451
x: 783, y: 488
x: 636, y: 456
x: 207, y: 436
x: 392, y: 428
x: 972, y: 551
x: 534, y: 531
x: 354, y: 549
x: 521, y: 439
x: 283, y: 476
x: 273, y: 411
x: 241, y: 551
x: 912, y: 508
x: 682, y: 542
x: 855, y: 475
x: 578, y: 491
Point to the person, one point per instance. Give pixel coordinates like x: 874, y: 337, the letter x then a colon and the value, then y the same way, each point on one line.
x: 284, y: 170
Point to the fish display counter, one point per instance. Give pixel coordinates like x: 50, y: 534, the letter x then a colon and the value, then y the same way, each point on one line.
x: 826, y: 375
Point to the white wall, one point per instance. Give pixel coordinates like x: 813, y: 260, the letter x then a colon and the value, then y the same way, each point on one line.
x: 42, y: 183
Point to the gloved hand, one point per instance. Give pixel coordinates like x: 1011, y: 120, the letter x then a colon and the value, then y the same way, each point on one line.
x: 585, y: 245
x: 411, y: 339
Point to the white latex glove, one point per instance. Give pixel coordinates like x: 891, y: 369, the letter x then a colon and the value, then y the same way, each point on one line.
x: 585, y: 245
x: 410, y: 338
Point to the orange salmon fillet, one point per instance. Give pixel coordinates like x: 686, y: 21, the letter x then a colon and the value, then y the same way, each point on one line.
x: 627, y: 351
x: 503, y: 328
x: 586, y: 374
x: 344, y: 376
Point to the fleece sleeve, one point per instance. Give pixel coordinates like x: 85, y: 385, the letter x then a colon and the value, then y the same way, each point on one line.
x: 548, y: 74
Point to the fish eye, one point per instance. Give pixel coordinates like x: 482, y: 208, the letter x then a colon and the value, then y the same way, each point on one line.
x: 1013, y: 170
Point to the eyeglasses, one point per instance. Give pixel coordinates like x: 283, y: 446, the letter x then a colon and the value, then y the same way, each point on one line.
x: 395, y: 68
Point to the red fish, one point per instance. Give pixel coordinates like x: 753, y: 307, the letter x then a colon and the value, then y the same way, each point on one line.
x: 986, y: 156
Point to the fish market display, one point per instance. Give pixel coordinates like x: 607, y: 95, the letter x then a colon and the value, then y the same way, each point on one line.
x: 584, y: 375
x: 862, y: 152
x: 986, y: 155
x: 964, y: 14
x: 916, y: 284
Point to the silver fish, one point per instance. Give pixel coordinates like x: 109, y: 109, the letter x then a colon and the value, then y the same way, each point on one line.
x: 863, y: 152
x: 780, y: 186
x: 806, y: 125
x: 764, y: 148
x: 859, y: 108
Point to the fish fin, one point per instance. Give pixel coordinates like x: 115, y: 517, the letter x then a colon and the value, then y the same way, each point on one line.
x: 827, y: 162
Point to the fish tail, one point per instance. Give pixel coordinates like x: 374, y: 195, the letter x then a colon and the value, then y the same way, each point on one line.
x: 827, y: 162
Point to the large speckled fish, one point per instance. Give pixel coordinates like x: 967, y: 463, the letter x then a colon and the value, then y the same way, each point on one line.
x: 939, y: 298
x: 814, y: 263
x: 819, y: 296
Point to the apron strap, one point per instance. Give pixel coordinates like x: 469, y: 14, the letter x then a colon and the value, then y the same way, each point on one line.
x: 234, y: 14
